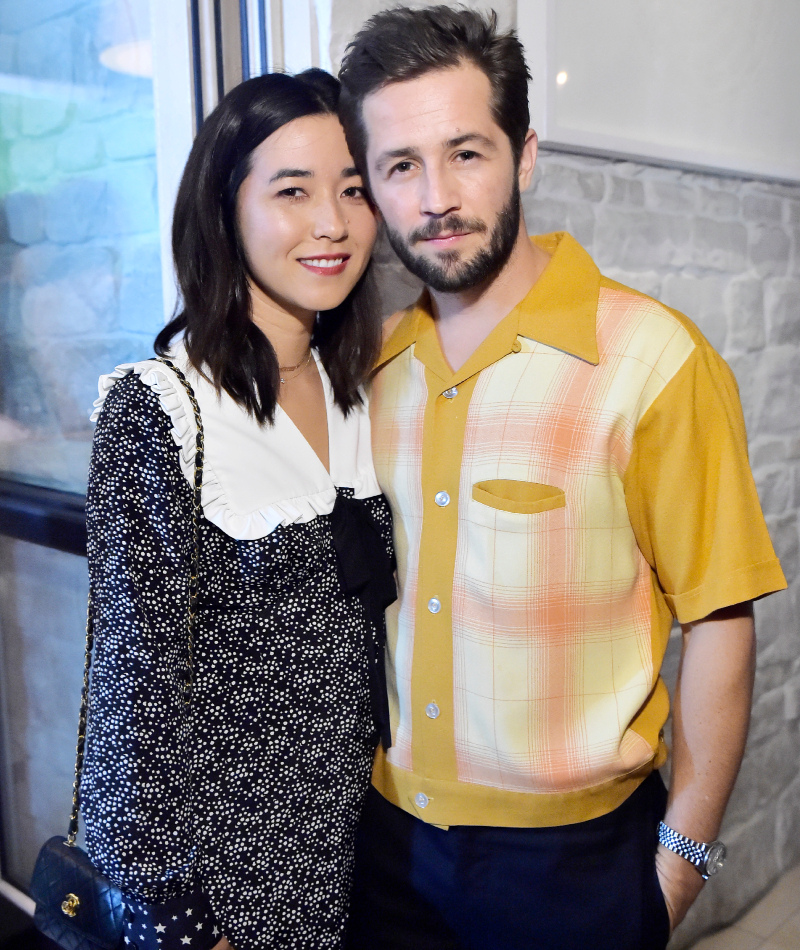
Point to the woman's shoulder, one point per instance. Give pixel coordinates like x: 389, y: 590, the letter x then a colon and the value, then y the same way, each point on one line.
x: 149, y: 394
x: 122, y: 392
x: 132, y: 382
x: 125, y: 403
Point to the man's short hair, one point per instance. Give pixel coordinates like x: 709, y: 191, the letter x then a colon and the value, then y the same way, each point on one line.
x: 401, y: 44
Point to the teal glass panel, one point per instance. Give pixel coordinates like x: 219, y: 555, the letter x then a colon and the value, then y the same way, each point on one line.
x: 80, y: 268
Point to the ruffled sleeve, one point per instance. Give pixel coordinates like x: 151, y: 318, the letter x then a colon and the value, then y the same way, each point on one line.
x: 171, y: 397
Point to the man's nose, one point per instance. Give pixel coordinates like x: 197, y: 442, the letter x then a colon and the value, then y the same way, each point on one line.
x: 439, y: 193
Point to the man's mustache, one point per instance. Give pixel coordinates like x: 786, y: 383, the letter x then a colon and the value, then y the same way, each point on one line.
x: 451, y: 223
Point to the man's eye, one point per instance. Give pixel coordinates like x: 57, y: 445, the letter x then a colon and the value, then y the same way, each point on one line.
x: 401, y: 167
x: 466, y: 156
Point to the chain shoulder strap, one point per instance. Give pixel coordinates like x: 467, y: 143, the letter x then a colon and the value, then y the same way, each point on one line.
x: 194, y: 587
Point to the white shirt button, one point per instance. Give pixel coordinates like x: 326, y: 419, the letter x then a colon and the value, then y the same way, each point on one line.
x: 442, y: 499
x: 434, y: 605
x: 450, y: 393
x: 421, y: 799
x: 432, y: 711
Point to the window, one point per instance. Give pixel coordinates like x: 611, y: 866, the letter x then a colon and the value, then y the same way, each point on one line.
x: 80, y: 259
x: 82, y: 288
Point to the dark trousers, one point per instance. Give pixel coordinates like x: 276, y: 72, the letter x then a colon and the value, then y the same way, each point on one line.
x: 588, y: 886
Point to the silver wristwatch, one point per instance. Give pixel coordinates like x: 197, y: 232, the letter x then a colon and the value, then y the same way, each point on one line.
x: 707, y: 858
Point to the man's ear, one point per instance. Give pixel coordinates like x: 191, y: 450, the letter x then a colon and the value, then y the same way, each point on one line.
x: 527, y: 160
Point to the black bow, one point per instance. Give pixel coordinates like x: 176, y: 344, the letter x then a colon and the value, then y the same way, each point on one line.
x: 367, y: 571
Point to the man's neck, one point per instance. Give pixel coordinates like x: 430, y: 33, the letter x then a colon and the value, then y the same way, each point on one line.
x: 464, y: 320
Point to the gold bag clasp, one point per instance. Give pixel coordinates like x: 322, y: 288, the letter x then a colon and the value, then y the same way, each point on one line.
x: 70, y: 905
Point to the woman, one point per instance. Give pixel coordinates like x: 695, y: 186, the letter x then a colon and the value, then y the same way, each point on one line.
x: 234, y: 818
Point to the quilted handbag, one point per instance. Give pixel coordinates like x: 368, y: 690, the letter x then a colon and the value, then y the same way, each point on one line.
x: 76, y: 906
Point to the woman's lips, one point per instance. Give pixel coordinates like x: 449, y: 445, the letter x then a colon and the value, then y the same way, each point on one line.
x: 326, y: 265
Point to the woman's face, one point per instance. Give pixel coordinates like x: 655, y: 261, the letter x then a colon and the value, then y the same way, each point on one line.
x: 304, y: 222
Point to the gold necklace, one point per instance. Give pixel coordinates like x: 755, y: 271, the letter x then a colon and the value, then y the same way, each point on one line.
x: 301, y: 366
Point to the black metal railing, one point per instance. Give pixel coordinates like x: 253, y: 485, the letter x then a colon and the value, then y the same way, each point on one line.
x: 46, y: 516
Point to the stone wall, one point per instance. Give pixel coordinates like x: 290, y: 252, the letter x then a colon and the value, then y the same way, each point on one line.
x: 725, y: 251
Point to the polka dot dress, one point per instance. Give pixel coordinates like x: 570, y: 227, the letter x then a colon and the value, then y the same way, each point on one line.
x: 241, y: 808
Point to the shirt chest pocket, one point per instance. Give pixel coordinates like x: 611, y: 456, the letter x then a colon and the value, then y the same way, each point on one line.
x: 523, y: 498
x: 508, y: 504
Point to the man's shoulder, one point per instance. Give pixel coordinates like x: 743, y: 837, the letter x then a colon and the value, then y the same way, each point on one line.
x: 635, y: 329
x: 646, y: 320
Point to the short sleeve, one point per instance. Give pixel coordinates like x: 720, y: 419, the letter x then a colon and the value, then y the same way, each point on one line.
x: 691, y: 496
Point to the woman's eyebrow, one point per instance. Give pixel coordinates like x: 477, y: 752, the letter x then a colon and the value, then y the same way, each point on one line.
x: 291, y: 173
x: 351, y: 172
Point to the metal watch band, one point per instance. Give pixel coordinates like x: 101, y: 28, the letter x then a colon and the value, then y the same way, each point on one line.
x: 695, y: 852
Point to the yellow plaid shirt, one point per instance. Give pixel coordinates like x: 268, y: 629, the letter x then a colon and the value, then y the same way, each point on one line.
x: 579, y: 481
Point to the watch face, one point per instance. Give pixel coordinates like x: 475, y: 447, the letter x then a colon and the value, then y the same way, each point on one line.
x: 716, y: 857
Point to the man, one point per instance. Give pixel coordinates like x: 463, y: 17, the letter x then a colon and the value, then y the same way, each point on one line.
x: 567, y: 466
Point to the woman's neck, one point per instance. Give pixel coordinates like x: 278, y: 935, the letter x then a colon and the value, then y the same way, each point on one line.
x: 288, y: 330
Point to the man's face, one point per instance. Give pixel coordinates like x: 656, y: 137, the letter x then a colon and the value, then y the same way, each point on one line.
x: 443, y: 176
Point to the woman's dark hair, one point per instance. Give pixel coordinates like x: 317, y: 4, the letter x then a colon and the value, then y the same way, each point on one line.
x: 215, y: 312
x: 401, y: 44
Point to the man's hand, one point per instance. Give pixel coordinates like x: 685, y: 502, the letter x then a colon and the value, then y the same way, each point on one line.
x: 680, y: 883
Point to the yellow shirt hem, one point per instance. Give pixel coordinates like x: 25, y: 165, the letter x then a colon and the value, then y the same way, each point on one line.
x: 462, y: 803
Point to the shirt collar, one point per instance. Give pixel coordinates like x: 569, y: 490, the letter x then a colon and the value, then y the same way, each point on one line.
x: 560, y: 310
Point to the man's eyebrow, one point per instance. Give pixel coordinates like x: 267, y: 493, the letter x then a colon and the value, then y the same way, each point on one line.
x: 470, y: 137
x: 291, y: 173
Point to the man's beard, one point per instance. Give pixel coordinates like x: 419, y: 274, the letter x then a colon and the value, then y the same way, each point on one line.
x: 449, y: 274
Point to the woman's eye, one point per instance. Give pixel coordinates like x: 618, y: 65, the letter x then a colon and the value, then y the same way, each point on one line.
x: 355, y: 191
x: 291, y: 193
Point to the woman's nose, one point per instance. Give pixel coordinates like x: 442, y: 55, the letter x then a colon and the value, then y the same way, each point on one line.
x: 330, y: 221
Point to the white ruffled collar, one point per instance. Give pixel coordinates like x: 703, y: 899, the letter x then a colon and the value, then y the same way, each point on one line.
x: 256, y: 478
